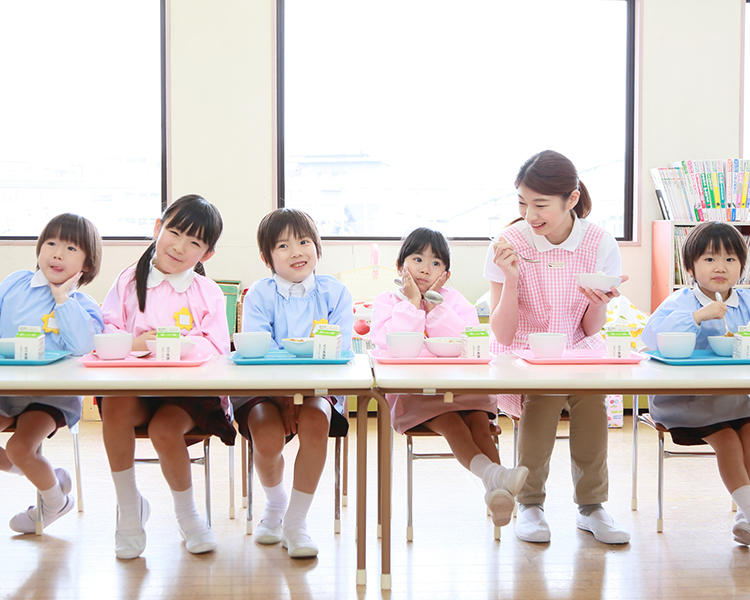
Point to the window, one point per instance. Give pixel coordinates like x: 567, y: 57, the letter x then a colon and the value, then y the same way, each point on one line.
x: 82, y: 114
x: 403, y: 113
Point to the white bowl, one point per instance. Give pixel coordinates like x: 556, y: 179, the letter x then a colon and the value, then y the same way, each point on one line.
x: 547, y: 345
x: 595, y: 281
x: 444, y: 346
x: 113, y: 346
x: 676, y: 344
x: 720, y: 344
x: 8, y: 347
x: 186, y: 346
x: 299, y: 346
x: 404, y: 344
x: 252, y: 344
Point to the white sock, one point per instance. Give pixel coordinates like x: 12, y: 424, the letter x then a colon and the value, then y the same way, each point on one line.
x: 489, y: 472
x: 186, y: 511
x: 296, y: 514
x: 127, y: 497
x: 53, y: 499
x: 741, y: 497
x: 276, y: 503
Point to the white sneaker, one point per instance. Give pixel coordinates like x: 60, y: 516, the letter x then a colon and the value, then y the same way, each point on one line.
x: 531, y: 526
x: 501, y: 504
x: 741, y: 529
x: 25, y: 522
x: 513, y: 479
x: 268, y: 534
x: 130, y: 543
x: 200, y: 539
x: 605, y: 529
x: 298, y: 543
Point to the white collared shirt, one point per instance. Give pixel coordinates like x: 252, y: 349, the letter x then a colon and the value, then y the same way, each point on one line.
x: 289, y: 289
x: 179, y: 281
x: 733, y: 299
x: 39, y: 280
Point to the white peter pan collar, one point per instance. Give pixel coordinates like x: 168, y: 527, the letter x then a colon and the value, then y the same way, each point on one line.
x: 39, y: 280
x: 571, y: 243
x: 289, y: 288
x: 733, y: 300
x: 179, y: 281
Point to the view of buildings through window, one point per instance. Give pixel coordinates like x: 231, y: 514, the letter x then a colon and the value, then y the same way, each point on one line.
x: 400, y: 114
x: 80, y: 115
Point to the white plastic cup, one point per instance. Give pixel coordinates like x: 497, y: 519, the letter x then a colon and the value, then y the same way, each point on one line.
x: 547, y: 345
x: 113, y: 346
x: 252, y: 344
x: 404, y: 344
x: 676, y: 344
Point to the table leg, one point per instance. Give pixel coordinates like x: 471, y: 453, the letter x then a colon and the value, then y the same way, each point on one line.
x: 634, y: 473
x: 362, y: 402
x: 384, y: 451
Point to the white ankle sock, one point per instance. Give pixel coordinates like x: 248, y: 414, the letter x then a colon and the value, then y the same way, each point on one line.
x: 741, y: 497
x: 53, y: 500
x: 186, y: 511
x: 276, y: 503
x: 127, y: 496
x: 489, y: 472
x: 296, y: 514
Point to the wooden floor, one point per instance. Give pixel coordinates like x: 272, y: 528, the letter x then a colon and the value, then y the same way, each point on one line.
x: 453, y: 555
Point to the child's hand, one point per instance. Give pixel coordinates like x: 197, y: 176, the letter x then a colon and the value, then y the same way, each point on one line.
x: 435, y: 287
x: 598, y: 297
x: 506, y: 258
x: 411, y: 290
x: 289, y: 415
x: 139, y: 343
x: 715, y: 310
x: 60, y: 292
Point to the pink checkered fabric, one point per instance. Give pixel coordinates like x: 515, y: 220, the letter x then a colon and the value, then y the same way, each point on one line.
x: 548, y: 297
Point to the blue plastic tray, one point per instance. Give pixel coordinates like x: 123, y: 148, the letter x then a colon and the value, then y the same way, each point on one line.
x: 283, y: 357
x: 49, y: 357
x: 699, y: 357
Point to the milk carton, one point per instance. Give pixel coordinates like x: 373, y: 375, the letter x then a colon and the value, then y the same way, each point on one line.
x: 168, y: 343
x: 29, y: 343
x: 327, y: 342
x: 741, y: 348
x: 618, y: 342
x: 475, y: 342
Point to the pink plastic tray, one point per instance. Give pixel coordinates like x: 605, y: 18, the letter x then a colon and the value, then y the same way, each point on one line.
x: 194, y: 359
x: 426, y: 358
x: 581, y: 357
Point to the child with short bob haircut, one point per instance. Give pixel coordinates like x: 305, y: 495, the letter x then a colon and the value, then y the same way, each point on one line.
x: 165, y: 289
x: 424, y: 265
x: 714, y: 254
x: 68, y: 254
x: 290, y: 304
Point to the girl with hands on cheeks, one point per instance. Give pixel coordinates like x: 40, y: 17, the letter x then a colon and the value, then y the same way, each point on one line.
x: 714, y: 254
x: 68, y: 253
x: 532, y: 268
x: 424, y: 264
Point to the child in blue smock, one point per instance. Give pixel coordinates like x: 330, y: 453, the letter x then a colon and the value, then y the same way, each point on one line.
x: 290, y: 304
x: 714, y: 254
x: 68, y: 254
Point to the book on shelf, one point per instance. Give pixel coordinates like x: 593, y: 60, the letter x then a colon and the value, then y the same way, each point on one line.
x: 703, y: 190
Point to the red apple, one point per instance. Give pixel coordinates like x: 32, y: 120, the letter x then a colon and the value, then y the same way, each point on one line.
x: 362, y: 327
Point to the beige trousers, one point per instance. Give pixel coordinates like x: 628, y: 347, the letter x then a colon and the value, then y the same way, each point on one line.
x: 588, y: 445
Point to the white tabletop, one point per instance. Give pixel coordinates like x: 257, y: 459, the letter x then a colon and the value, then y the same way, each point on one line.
x: 217, y: 376
x: 510, y: 374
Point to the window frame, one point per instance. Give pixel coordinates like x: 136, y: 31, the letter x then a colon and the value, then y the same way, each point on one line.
x: 628, y: 162
x: 163, y: 13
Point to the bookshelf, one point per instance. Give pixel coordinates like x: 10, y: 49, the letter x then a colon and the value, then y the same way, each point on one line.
x: 667, y: 272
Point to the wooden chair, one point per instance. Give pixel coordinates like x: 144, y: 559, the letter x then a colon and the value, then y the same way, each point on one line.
x: 411, y: 456
x: 191, y: 437
x: 662, y: 454
x: 79, y: 485
x: 340, y: 442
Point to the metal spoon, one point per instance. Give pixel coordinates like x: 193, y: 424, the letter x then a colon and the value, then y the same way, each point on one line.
x: 720, y: 299
x: 431, y: 296
x: 528, y: 260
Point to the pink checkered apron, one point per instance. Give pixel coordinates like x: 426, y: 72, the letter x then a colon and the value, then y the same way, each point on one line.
x: 548, y: 297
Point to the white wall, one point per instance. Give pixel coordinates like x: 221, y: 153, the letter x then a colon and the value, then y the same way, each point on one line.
x: 222, y: 135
